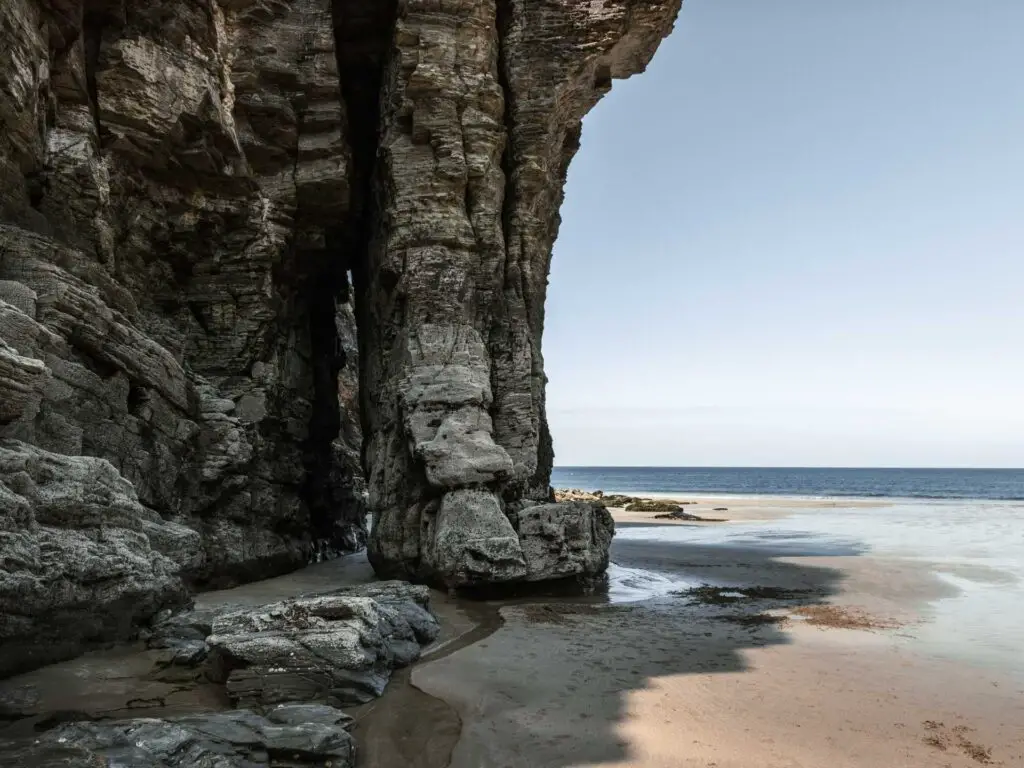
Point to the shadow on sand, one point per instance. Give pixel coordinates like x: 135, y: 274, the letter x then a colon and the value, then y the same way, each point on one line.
x: 550, y: 688
x: 536, y: 682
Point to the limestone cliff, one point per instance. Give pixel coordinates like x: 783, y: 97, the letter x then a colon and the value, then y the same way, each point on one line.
x: 200, y: 201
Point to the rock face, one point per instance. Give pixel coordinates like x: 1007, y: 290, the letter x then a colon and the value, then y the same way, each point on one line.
x: 174, y: 307
x: 82, y: 559
x: 200, y: 201
x: 482, y: 106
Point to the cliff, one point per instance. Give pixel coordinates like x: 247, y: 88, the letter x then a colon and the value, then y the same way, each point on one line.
x: 203, y: 205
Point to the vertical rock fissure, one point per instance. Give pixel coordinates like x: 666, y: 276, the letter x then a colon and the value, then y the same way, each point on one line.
x: 363, y: 31
x: 324, y: 487
x: 93, y: 22
x: 503, y: 21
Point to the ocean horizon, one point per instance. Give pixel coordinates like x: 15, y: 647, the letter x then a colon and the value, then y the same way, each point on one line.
x: 998, y: 484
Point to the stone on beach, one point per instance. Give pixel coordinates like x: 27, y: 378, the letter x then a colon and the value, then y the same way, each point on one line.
x: 337, y: 648
x: 238, y: 739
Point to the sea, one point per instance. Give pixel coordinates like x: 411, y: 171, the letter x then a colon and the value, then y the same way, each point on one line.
x: 966, y: 526
x: 1001, y: 484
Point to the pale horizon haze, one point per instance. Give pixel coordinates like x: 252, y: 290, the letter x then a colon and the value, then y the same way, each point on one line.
x: 796, y: 240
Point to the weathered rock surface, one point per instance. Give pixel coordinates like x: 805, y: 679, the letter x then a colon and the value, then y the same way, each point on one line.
x: 174, y: 197
x: 563, y: 540
x: 199, y: 198
x: 336, y: 648
x: 339, y: 649
x: 238, y: 739
x: 83, y: 560
x: 482, y: 107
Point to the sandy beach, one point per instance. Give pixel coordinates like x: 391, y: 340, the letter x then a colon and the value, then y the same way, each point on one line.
x: 734, y: 508
x: 674, y: 681
x: 764, y: 650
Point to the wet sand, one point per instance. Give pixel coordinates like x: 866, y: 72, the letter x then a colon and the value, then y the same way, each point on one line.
x: 736, y: 508
x: 747, y: 683
x: 686, y: 677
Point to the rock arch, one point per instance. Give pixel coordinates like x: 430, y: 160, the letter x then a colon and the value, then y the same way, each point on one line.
x: 200, y: 203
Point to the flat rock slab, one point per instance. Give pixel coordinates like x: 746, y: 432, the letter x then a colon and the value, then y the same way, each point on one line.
x: 238, y: 739
x: 338, y: 648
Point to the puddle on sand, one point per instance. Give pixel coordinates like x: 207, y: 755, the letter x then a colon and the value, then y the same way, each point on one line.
x: 632, y: 585
x: 406, y: 726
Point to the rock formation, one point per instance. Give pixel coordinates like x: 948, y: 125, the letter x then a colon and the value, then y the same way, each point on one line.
x: 287, y: 665
x: 174, y: 190
x: 482, y: 104
x: 200, y: 201
x: 292, y: 737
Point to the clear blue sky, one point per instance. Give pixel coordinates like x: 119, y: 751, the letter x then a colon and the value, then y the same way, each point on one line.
x: 798, y: 239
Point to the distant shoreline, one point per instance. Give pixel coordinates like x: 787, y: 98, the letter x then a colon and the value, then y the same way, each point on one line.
x: 813, y: 483
x: 800, y: 497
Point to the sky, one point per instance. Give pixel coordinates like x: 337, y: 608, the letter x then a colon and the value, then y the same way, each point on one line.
x: 798, y: 240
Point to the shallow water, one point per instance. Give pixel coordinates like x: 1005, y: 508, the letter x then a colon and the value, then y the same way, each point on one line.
x: 974, y: 547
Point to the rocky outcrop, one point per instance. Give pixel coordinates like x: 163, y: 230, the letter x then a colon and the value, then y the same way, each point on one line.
x: 174, y: 302
x: 338, y: 649
x: 310, y: 736
x: 288, y: 664
x: 482, y: 106
x: 200, y: 199
x: 82, y: 559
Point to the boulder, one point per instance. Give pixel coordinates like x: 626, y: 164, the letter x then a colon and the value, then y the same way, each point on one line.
x: 472, y: 542
x: 239, y: 739
x: 565, y: 540
x: 338, y: 648
x: 81, y: 560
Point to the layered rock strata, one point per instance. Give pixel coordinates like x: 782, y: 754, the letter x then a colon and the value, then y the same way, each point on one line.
x: 482, y: 105
x: 198, y: 200
x: 174, y: 308
x: 338, y: 649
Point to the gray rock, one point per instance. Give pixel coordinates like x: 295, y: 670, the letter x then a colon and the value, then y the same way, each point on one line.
x: 487, y: 103
x: 238, y: 739
x: 185, y: 190
x: 338, y: 648
x: 567, y: 539
x: 320, y: 714
x: 21, y: 385
x: 174, y: 183
x: 80, y: 559
x: 473, y: 541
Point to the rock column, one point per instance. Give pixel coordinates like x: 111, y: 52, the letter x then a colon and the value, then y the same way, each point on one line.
x: 481, y: 113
